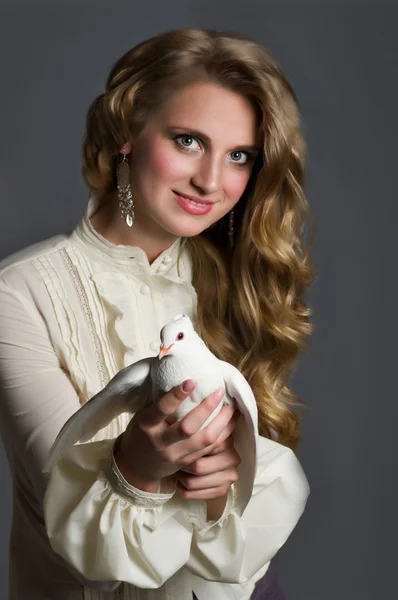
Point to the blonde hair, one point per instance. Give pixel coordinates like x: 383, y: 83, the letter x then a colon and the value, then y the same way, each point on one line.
x: 251, y: 310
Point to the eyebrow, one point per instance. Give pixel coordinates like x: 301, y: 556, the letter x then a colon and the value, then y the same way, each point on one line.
x: 205, y: 138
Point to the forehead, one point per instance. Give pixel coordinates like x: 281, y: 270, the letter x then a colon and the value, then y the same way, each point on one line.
x: 224, y: 115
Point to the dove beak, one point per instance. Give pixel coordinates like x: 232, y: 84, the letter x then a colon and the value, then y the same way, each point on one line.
x: 164, y: 350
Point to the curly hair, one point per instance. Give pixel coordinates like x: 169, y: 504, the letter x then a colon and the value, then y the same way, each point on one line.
x: 251, y: 310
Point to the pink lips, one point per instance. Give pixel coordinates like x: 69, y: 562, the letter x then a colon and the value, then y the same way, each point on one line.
x: 194, y: 209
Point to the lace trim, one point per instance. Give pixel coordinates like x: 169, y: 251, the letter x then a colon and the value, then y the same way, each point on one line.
x: 81, y: 293
x: 128, y: 492
x: 119, y: 593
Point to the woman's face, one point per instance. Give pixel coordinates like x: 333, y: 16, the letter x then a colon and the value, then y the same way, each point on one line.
x: 202, y: 143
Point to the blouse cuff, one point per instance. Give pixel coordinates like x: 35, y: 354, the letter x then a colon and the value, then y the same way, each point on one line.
x: 201, y: 526
x: 131, y: 494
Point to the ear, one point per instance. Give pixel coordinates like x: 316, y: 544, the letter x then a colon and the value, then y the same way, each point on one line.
x: 127, y: 148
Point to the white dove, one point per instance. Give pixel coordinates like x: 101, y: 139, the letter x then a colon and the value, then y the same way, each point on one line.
x: 183, y: 355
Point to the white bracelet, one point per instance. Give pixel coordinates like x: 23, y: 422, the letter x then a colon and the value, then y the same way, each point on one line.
x: 131, y: 494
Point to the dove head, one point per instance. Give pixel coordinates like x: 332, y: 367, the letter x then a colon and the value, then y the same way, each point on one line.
x: 176, y: 336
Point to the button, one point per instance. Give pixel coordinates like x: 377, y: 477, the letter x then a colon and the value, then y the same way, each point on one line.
x: 154, y: 346
x: 167, y: 259
x: 161, y: 268
x: 129, y: 357
x: 145, y: 289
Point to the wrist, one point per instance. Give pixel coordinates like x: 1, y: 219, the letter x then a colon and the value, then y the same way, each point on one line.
x: 146, y: 485
x: 216, y: 507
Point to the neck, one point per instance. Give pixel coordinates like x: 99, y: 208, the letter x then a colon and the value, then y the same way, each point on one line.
x: 146, y: 234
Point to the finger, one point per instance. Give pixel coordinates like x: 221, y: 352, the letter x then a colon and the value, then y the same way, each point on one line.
x: 226, y: 439
x: 217, y: 479
x: 218, y: 449
x: 209, y: 494
x: 194, y: 420
x: 158, y: 412
x: 212, y: 464
x: 224, y: 446
x: 197, y: 417
x: 202, y: 442
x: 225, y: 435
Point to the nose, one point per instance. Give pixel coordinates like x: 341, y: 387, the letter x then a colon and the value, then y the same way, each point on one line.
x: 208, y: 175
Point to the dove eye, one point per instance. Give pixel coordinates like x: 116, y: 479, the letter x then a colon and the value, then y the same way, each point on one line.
x: 180, y: 336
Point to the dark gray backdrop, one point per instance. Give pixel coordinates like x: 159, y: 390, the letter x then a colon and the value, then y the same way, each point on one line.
x: 342, y: 61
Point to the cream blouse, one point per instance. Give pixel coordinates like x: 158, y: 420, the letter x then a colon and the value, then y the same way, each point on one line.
x: 75, y: 309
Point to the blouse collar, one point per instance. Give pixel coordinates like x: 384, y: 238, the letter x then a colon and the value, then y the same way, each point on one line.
x: 87, y: 238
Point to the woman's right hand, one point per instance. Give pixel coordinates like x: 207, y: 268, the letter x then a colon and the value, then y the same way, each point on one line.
x: 151, y: 449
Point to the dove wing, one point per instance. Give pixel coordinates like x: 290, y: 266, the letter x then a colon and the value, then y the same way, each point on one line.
x: 245, y: 433
x: 128, y: 390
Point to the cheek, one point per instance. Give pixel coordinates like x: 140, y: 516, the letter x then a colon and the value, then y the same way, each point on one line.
x: 168, y: 165
x: 235, y: 184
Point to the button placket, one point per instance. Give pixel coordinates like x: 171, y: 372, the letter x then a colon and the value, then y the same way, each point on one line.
x: 161, y: 265
x: 155, y: 346
x: 148, y: 316
x: 156, y: 287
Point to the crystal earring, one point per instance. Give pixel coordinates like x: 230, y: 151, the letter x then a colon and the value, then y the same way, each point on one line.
x: 124, y: 195
x: 231, y: 228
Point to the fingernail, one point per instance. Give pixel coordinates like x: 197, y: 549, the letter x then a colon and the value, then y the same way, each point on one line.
x: 188, y: 385
x: 219, y: 392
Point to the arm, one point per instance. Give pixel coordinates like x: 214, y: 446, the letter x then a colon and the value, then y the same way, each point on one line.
x: 37, y: 398
x: 95, y: 522
x: 233, y: 549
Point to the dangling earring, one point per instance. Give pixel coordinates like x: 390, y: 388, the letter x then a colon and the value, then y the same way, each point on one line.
x: 231, y: 228
x: 126, y: 203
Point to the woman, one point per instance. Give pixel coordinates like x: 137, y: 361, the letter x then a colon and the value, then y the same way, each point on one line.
x: 196, y: 144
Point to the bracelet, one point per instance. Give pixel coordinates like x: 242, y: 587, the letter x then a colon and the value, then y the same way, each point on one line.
x: 131, y: 494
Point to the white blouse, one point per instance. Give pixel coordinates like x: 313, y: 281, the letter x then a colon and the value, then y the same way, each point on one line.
x: 75, y: 309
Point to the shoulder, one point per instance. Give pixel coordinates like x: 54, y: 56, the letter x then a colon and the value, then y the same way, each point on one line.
x: 20, y: 266
x: 20, y: 272
x: 30, y: 253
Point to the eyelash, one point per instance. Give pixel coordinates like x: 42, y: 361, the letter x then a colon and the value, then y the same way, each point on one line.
x: 181, y: 146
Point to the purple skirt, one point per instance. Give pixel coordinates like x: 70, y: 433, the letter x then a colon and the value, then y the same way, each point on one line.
x: 267, y: 588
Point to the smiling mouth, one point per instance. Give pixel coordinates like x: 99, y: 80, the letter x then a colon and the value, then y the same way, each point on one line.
x: 194, y: 200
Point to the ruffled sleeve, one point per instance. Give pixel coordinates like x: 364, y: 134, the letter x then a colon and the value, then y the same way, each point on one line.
x: 37, y: 397
x: 233, y: 549
x: 105, y: 533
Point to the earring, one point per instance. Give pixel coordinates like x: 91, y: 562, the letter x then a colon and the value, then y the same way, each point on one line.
x: 126, y: 203
x: 231, y: 228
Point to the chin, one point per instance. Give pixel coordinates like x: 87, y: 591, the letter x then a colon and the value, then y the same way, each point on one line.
x: 184, y: 230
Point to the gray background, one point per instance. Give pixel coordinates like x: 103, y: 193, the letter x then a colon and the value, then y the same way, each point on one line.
x: 342, y: 62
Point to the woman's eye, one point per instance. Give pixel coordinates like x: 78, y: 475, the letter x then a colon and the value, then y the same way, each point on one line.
x: 191, y: 144
x: 237, y: 155
x: 187, y: 141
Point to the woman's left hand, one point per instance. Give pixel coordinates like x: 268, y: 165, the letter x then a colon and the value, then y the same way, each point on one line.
x: 211, y: 475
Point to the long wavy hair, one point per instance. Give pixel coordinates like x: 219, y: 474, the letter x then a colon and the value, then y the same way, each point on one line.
x: 251, y: 311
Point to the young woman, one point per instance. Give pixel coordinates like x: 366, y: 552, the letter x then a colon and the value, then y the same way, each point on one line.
x: 194, y: 159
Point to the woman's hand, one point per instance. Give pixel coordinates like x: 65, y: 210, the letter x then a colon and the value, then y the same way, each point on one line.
x: 151, y: 449
x: 211, y: 475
